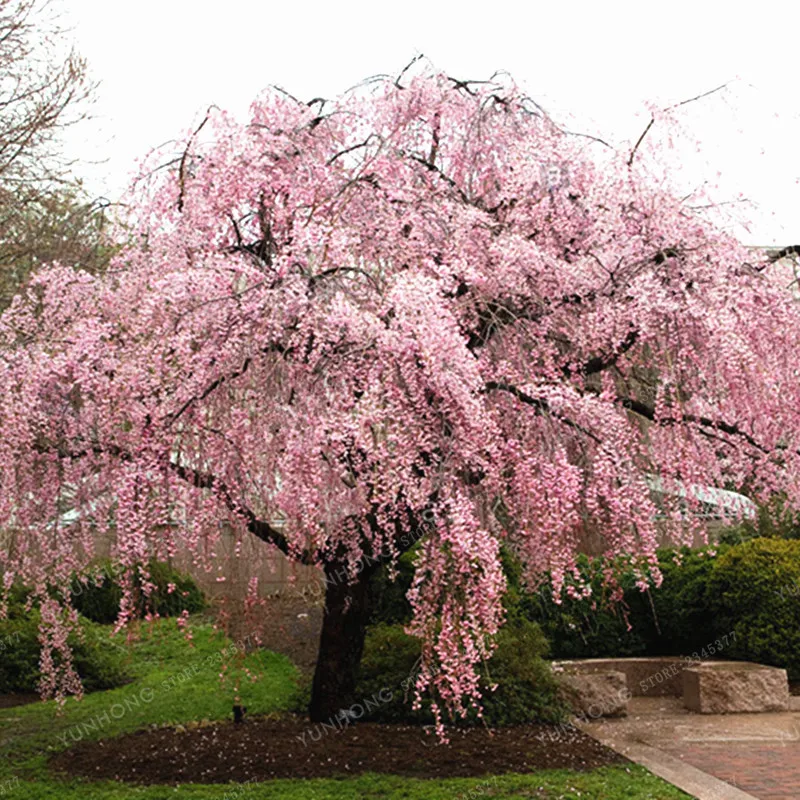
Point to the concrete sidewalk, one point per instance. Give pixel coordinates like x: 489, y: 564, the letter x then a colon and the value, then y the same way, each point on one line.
x: 712, y: 757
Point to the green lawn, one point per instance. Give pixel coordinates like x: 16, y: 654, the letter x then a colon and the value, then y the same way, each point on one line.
x: 177, y: 683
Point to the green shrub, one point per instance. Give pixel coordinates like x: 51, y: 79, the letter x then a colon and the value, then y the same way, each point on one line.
x: 390, y: 658
x: 526, y: 690
x: 19, y: 653
x: 594, y: 626
x: 683, y: 621
x: 582, y: 628
x: 388, y: 602
x: 99, y: 601
x: 753, y: 593
x: 674, y: 619
x: 745, y: 597
x: 96, y: 659
x: 748, y: 592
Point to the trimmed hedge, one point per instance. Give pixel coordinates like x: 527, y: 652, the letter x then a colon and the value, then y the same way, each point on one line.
x: 747, y: 596
x: 526, y: 690
x: 674, y: 619
x: 681, y: 621
x: 577, y: 627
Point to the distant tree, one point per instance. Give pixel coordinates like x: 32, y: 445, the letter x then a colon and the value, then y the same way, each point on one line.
x: 44, y: 88
x: 417, y: 315
x: 41, y: 227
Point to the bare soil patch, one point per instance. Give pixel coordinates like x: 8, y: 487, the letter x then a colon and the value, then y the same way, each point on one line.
x: 13, y: 700
x: 265, y: 749
x: 288, y: 623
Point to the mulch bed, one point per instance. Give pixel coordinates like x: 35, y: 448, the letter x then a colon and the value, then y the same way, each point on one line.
x: 264, y: 749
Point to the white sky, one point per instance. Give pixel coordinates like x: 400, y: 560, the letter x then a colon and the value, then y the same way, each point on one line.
x: 161, y: 64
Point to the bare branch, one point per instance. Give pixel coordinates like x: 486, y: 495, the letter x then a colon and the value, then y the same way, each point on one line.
x: 540, y: 405
x: 184, y: 157
x: 669, y: 108
x: 640, y: 140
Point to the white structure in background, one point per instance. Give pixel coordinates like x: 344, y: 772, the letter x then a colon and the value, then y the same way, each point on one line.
x: 718, y: 504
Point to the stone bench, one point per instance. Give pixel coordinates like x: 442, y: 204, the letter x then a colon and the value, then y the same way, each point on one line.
x: 591, y: 695
x: 726, y: 687
x: 602, y: 686
x: 648, y: 676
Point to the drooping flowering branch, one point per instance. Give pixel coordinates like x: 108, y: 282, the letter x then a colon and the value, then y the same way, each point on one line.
x: 422, y: 313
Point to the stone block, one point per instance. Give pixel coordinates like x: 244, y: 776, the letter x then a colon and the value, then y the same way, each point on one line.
x: 726, y: 687
x: 592, y: 695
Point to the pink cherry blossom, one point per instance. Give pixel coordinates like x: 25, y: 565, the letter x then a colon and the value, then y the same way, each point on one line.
x: 345, y: 328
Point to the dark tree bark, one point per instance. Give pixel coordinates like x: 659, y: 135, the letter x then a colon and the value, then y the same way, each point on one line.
x: 341, y: 643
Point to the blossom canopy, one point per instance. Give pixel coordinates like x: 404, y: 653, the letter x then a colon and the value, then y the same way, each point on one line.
x: 421, y: 313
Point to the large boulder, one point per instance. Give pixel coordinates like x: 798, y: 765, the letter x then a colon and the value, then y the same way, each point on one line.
x: 592, y: 695
x: 725, y: 687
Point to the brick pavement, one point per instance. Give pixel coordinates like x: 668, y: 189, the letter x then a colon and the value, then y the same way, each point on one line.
x: 756, y: 754
x: 768, y: 770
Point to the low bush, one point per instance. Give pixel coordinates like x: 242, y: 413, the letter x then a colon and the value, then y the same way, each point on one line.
x: 388, y: 602
x: 682, y: 621
x: 98, y: 600
x: 575, y: 628
x: 95, y: 658
x: 594, y: 626
x: 744, y: 596
x: 526, y: 690
x: 674, y: 619
x: 389, y: 662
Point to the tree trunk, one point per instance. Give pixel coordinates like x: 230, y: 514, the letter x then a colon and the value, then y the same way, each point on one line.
x: 341, y: 642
